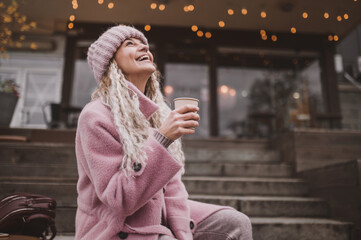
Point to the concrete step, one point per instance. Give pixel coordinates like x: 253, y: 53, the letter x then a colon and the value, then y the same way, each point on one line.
x: 263, y: 228
x: 238, y: 169
x: 257, y: 206
x: 230, y: 155
x: 69, y: 169
x: 63, y: 190
x: 246, y: 186
x: 66, y: 170
x: 300, y: 229
x: 37, y: 153
x: 65, y: 220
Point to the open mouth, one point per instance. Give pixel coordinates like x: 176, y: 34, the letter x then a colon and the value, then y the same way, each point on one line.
x: 143, y: 58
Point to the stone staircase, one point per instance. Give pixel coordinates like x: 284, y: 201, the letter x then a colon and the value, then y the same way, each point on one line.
x: 246, y: 175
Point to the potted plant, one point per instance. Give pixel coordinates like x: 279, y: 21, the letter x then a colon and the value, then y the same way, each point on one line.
x: 9, y: 95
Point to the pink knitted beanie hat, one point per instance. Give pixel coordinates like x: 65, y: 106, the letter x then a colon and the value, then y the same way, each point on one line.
x: 103, y: 49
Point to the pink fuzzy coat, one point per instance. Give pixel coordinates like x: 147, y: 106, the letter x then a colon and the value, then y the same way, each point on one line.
x: 111, y: 205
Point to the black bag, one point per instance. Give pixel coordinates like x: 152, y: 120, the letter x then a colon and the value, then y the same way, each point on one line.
x: 28, y: 214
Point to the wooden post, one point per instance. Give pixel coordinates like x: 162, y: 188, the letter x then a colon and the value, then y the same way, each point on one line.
x: 330, y: 86
x: 213, y: 100
x: 68, y: 75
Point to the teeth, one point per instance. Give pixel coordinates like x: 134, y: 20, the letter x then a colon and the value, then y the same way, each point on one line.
x: 144, y: 57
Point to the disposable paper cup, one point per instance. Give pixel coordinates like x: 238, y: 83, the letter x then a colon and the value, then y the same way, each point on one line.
x: 180, y: 102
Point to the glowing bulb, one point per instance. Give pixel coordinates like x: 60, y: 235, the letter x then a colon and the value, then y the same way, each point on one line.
x: 153, y: 6
x: 326, y: 15
x: 305, y: 15
x: 221, y: 23
x: 33, y: 46
x: 194, y: 28
x: 335, y: 38
x: 264, y: 37
x: 72, y: 18
x: 168, y: 90
x: 147, y: 28
x: 224, y: 89
x: 232, y: 92
x: 274, y: 38
x: 75, y: 6
x: 293, y: 30
x: 330, y: 38
x: 110, y: 5
x: 262, y: 32
x: 339, y: 18
x: 191, y: 8
x: 230, y: 11
x: 263, y: 14
x: 208, y: 35
x: 71, y: 25
x: 296, y: 95
x: 161, y: 7
x: 186, y: 9
x: 244, y: 11
x: 100, y: 1
x: 345, y: 16
x: 200, y: 33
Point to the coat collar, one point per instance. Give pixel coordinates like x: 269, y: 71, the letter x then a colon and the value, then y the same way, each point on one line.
x: 146, y: 106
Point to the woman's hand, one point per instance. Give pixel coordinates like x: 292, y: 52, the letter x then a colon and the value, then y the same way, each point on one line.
x: 180, y: 122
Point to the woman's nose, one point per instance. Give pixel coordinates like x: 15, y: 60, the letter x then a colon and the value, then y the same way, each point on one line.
x: 143, y: 47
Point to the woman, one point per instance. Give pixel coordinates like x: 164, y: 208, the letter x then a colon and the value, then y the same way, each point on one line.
x: 129, y: 154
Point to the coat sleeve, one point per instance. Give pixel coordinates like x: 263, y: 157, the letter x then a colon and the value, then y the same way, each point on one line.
x: 102, y: 156
x: 178, y: 211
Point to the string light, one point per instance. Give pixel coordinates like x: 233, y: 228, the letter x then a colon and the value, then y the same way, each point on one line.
x: 244, y: 11
x: 161, y: 7
x: 147, y: 28
x: 194, y: 28
x: 345, y: 16
x: 110, y: 5
x: 230, y: 12
x: 191, y: 8
x: 335, y: 38
x: 221, y: 24
x: 75, y: 4
x: 200, y: 33
x: 168, y: 89
x: 326, y: 15
x: 186, y: 9
x: 100, y: 1
x: 339, y: 18
x: 72, y: 18
x: 71, y: 25
x: 274, y: 38
x: 152, y: 5
x: 208, y: 35
x: 330, y: 38
x: 262, y: 32
x: 293, y: 30
x: 305, y: 15
x: 264, y: 37
x: 263, y: 14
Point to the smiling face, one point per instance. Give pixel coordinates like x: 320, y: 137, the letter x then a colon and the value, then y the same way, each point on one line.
x: 134, y: 59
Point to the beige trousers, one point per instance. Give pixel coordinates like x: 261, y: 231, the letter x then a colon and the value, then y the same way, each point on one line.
x: 223, y: 225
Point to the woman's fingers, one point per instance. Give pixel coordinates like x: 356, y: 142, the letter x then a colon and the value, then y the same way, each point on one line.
x: 190, y: 116
x: 187, y: 108
x: 190, y: 124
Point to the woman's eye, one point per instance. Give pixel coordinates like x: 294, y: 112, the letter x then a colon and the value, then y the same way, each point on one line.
x: 128, y: 43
